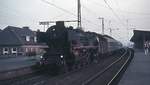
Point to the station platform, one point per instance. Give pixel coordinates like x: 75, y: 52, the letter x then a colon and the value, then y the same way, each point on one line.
x: 138, y: 72
x: 8, y: 64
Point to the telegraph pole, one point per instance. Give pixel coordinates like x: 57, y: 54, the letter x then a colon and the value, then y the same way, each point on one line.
x: 101, y: 18
x: 79, y: 14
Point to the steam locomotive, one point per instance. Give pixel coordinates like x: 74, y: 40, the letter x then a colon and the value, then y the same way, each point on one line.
x: 73, y: 48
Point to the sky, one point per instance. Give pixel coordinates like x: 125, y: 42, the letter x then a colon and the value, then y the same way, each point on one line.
x: 120, y: 15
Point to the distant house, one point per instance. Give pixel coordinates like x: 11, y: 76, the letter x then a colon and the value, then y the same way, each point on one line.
x: 19, y: 41
x: 139, y: 38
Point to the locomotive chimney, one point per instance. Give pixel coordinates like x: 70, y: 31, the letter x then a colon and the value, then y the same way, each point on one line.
x: 60, y: 23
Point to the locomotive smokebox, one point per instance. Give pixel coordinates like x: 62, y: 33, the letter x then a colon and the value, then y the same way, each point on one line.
x: 60, y: 23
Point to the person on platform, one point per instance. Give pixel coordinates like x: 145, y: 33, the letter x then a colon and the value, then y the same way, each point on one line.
x: 146, y: 47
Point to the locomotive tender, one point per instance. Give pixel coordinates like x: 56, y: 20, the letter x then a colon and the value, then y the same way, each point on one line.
x: 72, y: 48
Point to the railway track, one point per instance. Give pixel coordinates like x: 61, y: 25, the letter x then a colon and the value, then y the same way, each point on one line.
x: 109, y: 76
x: 117, y: 76
x: 78, y: 77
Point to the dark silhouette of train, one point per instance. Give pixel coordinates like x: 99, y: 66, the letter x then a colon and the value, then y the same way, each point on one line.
x: 70, y: 48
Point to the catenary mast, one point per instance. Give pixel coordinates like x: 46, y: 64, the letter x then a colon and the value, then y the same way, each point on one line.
x: 79, y: 14
x: 79, y: 26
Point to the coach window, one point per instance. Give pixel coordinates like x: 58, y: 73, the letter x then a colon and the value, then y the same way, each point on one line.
x: 5, y: 51
x: 27, y: 38
x: 35, y: 39
x: 14, y: 50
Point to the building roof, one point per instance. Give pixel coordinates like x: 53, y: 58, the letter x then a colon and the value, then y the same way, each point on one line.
x: 16, y: 36
x: 21, y: 31
x: 9, y: 38
x: 140, y: 35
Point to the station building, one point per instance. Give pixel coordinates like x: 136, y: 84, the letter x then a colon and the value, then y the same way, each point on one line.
x: 139, y: 38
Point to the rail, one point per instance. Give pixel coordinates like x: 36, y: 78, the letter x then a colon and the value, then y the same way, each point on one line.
x: 101, y: 72
x: 119, y: 71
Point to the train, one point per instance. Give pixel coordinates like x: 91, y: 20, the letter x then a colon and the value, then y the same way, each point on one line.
x: 70, y: 48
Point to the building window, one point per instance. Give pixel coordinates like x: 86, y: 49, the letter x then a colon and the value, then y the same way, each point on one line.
x: 31, y: 49
x: 27, y: 38
x: 14, y: 50
x: 35, y: 39
x: 26, y: 50
x: 5, y: 51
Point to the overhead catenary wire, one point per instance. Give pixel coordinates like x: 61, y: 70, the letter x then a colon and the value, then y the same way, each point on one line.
x: 116, y: 2
x: 47, y: 2
x: 115, y: 14
x: 110, y: 8
x: 128, y: 12
x: 123, y: 11
x: 93, y: 12
x: 119, y: 9
x: 89, y: 10
x: 66, y: 11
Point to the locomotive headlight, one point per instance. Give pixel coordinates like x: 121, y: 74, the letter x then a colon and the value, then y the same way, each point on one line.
x: 53, y: 29
x: 41, y: 57
x: 61, y: 56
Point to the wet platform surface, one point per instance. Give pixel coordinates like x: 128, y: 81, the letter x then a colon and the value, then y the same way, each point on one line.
x: 15, y: 63
x: 138, y: 72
